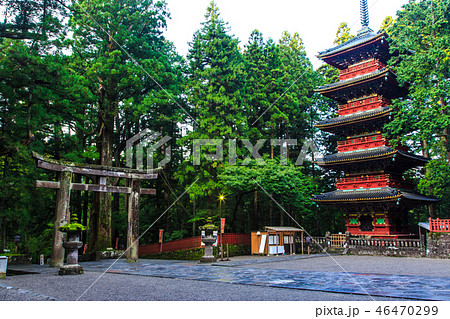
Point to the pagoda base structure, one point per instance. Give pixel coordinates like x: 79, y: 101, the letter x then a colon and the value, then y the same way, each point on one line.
x: 377, y: 212
x: 378, y: 225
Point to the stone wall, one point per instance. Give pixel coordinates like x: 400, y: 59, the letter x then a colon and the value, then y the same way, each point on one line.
x: 387, y: 251
x: 99, y: 255
x: 19, y: 259
x: 438, y: 245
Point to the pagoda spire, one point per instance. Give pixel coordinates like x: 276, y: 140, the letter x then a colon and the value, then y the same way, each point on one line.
x: 364, y: 14
x: 364, y: 19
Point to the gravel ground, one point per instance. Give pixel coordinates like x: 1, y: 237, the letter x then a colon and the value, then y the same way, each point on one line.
x: 141, y: 288
x: 367, y: 264
x: 49, y: 286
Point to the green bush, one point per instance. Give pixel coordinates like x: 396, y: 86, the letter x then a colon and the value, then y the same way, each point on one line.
x: 196, y: 254
x: 41, y: 244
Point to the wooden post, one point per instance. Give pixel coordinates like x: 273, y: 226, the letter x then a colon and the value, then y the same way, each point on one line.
x: 133, y: 221
x: 221, y: 245
x: 291, y: 241
x: 276, y: 241
x: 61, y: 217
x: 301, y: 240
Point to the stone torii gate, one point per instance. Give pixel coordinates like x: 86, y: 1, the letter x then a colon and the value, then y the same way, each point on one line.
x: 64, y: 186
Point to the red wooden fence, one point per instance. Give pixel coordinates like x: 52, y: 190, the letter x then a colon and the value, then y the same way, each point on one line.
x: 191, y: 243
x: 440, y: 225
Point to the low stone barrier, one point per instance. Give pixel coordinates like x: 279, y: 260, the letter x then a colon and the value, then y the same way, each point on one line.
x: 387, y: 247
x: 438, y: 245
x: 99, y: 255
x: 19, y: 259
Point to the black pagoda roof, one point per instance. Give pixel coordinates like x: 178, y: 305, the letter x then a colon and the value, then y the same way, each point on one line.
x: 384, y: 158
x: 352, y: 124
x: 383, y: 82
x: 379, y: 194
x: 364, y: 46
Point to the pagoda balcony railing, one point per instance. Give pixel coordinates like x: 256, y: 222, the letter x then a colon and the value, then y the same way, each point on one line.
x: 360, y: 69
x: 364, y: 104
x: 371, y: 181
x: 361, y: 143
x: 439, y: 225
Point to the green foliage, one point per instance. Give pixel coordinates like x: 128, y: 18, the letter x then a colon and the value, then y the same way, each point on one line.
x: 134, y: 78
x: 81, y: 97
x: 176, y: 234
x: 421, y: 35
x: 437, y: 178
x: 386, y: 25
x: 72, y: 227
x: 38, y: 20
x: 286, y: 182
x: 343, y: 34
x: 41, y: 244
x: 209, y: 225
x: 190, y: 254
x: 196, y: 254
x: 215, y: 91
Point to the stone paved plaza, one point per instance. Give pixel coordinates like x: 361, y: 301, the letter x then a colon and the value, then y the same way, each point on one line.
x: 314, y: 277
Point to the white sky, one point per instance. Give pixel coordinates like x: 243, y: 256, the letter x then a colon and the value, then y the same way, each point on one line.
x: 316, y: 21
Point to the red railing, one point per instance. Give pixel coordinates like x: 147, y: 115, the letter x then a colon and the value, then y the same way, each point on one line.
x: 360, y: 69
x: 371, y: 181
x: 439, y: 225
x: 364, y: 104
x: 237, y: 239
x: 191, y: 243
x: 360, y: 143
x: 362, y: 182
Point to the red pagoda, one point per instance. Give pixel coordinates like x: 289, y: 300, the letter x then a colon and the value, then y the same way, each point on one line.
x: 373, y: 194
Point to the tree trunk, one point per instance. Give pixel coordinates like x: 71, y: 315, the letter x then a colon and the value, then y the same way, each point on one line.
x: 426, y: 153
x: 62, y: 217
x: 2, y: 235
x: 133, y: 221
x: 255, y: 210
x: 270, y: 211
x: 85, y: 214
x: 238, y: 198
x: 102, y: 201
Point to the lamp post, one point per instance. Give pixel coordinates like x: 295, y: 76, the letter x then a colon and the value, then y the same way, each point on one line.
x: 221, y: 199
x: 208, y: 239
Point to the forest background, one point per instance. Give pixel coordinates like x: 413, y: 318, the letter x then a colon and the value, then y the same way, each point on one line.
x: 78, y: 79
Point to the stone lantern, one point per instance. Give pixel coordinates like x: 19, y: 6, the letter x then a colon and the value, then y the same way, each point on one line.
x: 208, y: 240
x: 72, y: 244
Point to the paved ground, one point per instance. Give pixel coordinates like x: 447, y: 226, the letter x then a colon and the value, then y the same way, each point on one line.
x: 363, y: 264
x: 316, y: 277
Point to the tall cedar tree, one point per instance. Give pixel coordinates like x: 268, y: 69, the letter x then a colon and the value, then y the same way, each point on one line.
x: 215, y: 92
x: 39, y: 97
x: 121, y: 51
x: 263, y: 68
x: 421, y: 34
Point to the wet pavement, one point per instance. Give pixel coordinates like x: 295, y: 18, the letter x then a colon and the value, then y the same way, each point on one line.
x: 397, y: 286
x: 246, y: 272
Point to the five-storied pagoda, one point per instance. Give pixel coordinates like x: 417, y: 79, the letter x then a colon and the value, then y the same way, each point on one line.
x: 373, y: 194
